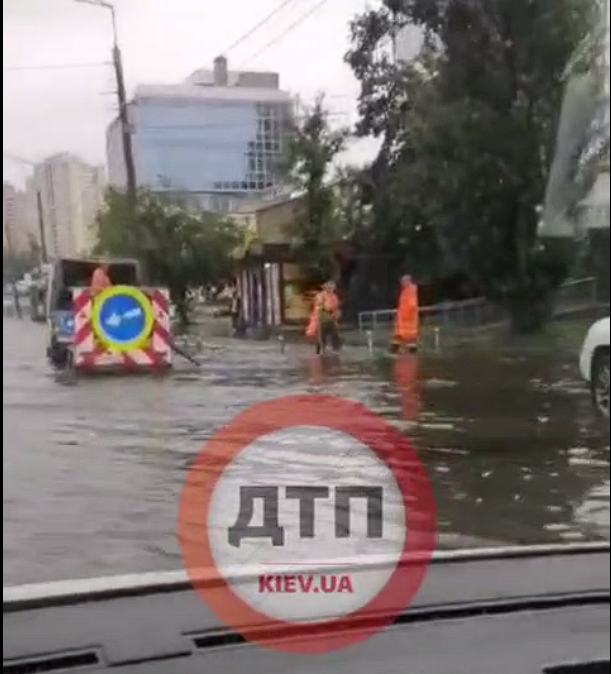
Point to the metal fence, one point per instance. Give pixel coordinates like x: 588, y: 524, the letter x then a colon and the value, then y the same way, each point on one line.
x: 448, y: 320
x: 575, y: 296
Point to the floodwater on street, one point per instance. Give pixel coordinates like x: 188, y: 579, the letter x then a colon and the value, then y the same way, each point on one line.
x: 93, y: 470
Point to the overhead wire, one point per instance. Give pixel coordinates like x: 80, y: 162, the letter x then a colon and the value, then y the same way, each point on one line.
x: 60, y: 66
x: 260, y: 24
x: 286, y: 31
x: 17, y: 158
x: 192, y: 127
x: 234, y: 125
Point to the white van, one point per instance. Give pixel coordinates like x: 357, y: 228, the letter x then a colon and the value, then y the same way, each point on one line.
x: 67, y: 274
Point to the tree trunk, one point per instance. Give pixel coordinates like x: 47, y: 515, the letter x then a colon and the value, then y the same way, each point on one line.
x: 528, y: 316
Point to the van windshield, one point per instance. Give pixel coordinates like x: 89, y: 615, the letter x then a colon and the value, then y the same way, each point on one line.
x: 77, y: 273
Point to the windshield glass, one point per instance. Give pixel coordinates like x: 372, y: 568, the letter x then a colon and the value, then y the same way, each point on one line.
x: 399, y: 206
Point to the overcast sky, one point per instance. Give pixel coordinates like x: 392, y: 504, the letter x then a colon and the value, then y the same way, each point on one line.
x: 46, y: 111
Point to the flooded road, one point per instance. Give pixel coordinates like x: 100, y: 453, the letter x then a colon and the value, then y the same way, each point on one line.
x: 93, y: 471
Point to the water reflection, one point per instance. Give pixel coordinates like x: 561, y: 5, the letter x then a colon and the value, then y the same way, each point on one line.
x: 530, y: 469
x: 323, y: 369
x: 407, y: 376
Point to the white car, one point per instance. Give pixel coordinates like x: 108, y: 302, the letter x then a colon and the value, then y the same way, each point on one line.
x: 594, y: 364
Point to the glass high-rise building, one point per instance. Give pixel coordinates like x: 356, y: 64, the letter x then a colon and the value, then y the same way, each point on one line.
x: 215, y: 139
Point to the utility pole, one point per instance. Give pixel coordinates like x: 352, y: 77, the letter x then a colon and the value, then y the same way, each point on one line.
x: 128, y: 154
x: 41, y: 228
x: 117, y: 62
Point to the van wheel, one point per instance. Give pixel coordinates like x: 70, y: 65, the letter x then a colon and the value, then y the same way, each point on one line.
x: 58, y: 355
x: 600, y: 382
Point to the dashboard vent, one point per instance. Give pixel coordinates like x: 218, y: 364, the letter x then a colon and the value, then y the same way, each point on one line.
x: 226, y: 638
x: 595, y: 667
x: 63, y: 662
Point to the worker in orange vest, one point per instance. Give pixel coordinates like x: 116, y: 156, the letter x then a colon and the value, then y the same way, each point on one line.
x: 406, y: 321
x: 324, y: 321
x: 99, y: 282
x: 99, y: 279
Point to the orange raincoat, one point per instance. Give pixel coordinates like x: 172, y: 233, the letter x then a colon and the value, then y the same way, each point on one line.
x: 406, y: 322
x: 328, y: 302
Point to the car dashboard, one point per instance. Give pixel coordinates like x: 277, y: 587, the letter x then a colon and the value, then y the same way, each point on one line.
x: 537, y: 610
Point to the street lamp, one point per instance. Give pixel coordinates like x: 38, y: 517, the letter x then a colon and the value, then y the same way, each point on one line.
x: 111, y: 8
x: 117, y: 61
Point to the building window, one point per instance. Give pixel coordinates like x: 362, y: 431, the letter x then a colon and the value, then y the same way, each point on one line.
x: 264, y: 151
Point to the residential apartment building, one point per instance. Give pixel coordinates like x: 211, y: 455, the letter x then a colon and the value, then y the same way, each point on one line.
x: 71, y: 192
x: 215, y: 139
x: 15, y: 222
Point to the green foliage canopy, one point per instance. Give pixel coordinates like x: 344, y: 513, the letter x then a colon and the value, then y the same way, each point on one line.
x: 178, y: 248
x: 468, y: 130
x: 313, y: 146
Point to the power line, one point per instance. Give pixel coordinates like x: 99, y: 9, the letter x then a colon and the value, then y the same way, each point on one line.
x: 61, y: 66
x: 290, y: 28
x: 194, y: 127
x: 237, y: 125
x: 261, y: 23
x: 17, y: 158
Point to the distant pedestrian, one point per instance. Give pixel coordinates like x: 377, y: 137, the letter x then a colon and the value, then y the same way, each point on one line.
x: 235, y: 311
x: 407, y: 318
x: 17, y: 301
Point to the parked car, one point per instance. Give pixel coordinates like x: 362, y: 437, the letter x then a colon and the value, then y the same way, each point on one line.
x: 594, y: 364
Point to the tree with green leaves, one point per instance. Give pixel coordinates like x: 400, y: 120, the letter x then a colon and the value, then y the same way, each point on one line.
x: 468, y: 131
x: 351, y: 212
x: 399, y: 234
x: 178, y: 248
x: 312, y: 147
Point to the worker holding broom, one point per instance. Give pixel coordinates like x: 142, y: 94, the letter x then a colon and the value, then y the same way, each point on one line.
x: 324, y: 320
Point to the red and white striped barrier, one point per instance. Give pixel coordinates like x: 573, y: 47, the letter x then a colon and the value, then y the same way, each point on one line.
x: 90, y: 354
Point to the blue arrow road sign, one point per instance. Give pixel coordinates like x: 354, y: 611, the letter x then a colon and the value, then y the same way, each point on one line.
x: 122, y: 318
